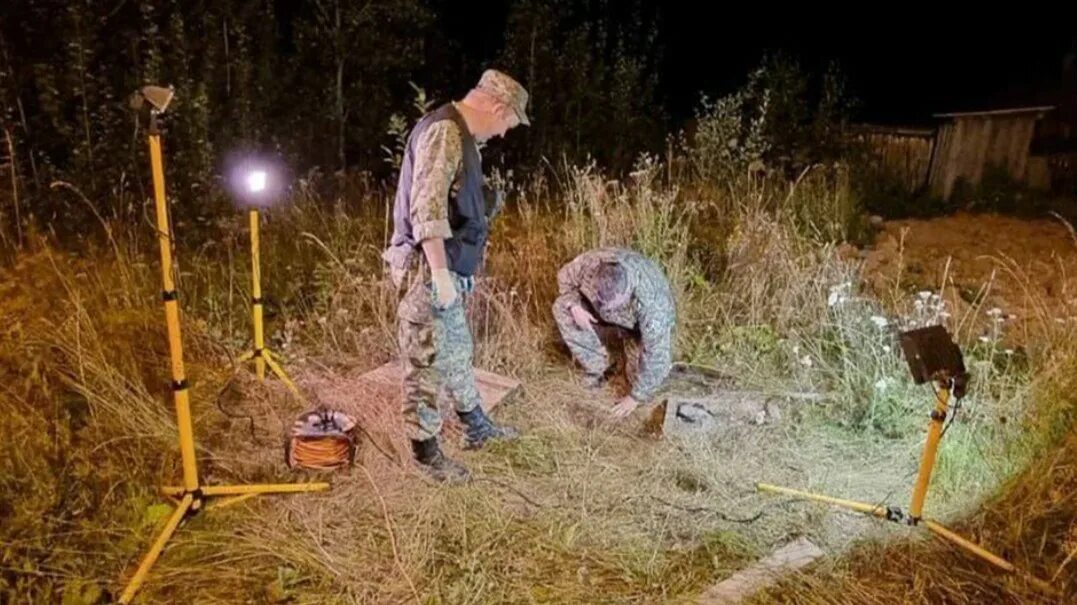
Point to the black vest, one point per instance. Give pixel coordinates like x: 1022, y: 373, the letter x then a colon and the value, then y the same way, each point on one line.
x: 467, y: 209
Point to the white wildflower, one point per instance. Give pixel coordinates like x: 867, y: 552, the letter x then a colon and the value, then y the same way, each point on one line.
x: 882, y: 384
x: 806, y: 361
x: 838, y: 294
x: 994, y: 312
x: 985, y: 339
x: 886, y: 348
x: 879, y: 321
x: 1008, y: 351
x: 924, y: 294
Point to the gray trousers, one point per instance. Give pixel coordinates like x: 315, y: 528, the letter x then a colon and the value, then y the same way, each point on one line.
x: 589, y: 346
x: 436, y: 353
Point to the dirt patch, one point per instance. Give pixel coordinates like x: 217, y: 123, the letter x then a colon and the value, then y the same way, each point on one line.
x: 1025, y: 268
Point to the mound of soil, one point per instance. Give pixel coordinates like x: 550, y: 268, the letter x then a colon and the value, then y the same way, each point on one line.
x: 1026, y: 268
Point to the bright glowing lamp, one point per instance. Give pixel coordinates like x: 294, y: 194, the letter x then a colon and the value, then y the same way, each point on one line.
x: 256, y: 181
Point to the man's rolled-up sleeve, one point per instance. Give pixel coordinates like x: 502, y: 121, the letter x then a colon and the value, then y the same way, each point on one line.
x: 438, y: 156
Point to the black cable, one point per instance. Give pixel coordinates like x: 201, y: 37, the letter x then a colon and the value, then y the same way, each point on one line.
x: 512, y: 489
x: 950, y: 421
x: 249, y: 417
x: 702, y: 509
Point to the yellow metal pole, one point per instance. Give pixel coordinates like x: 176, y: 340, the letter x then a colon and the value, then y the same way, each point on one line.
x: 972, y: 547
x: 931, y: 448
x: 191, y: 495
x: 235, y: 490
x: 256, y: 298
x: 230, y: 500
x: 981, y: 552
x: 155, y: 550
x: 279, y: 371
x: 870, y: 509
x: 175, y: 341
x: 278, y: 488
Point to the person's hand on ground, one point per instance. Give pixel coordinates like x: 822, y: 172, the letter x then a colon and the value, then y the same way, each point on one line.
x: 625, y: 407
x: 582, y: 317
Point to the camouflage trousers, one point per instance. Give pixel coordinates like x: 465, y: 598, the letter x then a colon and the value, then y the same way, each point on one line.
x: 589, y: 346
x: 436, y: 357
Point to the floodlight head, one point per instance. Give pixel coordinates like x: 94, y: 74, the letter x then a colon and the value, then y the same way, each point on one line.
x: 256, y: 185
x: 157, y: 97
x: 933, y: 356
x: 256, y: 181
x: 151, y: 101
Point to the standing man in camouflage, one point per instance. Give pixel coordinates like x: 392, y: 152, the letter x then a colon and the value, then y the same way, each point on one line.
x: 620, y: 289
x: 443, y: 208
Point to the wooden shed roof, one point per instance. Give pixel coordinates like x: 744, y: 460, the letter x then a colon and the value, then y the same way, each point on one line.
x: 1041, y: 109
x: 908, y: 131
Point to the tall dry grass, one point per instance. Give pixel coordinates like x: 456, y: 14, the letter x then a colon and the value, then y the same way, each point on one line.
x: 579, y: 510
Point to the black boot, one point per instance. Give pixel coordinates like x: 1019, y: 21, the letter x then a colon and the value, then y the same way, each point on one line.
x: 594, y: 382
x: 436, y: 464
x: 481, y: 429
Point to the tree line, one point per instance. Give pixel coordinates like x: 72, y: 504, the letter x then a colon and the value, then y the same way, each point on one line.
x: 316, y: 81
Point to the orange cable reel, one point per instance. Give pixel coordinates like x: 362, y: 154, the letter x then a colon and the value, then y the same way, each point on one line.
x: 321, y: 439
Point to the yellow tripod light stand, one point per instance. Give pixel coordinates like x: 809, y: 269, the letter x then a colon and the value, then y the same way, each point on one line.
x: 932, y: 357
x: 256, y: 183
x: 150, y: 102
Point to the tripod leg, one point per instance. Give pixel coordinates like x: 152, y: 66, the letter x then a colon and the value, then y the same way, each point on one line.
x: 975, y: 549
x: 273, y: 488
x: 940, y: 530
x: 279, y: 371
x: 155, y: 550
x: 869, y: 509
x: 229, y: 501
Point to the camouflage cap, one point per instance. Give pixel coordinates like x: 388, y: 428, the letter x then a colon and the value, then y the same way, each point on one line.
x: 506, y: 90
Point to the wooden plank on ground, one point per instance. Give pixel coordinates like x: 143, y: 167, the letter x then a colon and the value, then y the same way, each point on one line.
x: 374, y: 399
x: 493, y: 388
x: 769, y: 570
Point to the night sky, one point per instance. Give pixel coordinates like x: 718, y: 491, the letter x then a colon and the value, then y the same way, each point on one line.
x: 903, y: 72
x: 902, y: 67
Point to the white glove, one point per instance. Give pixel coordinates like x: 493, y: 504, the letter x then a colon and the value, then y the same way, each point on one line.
x: 582, y: 317
x: 444, y: 288
x: 624, y: 407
